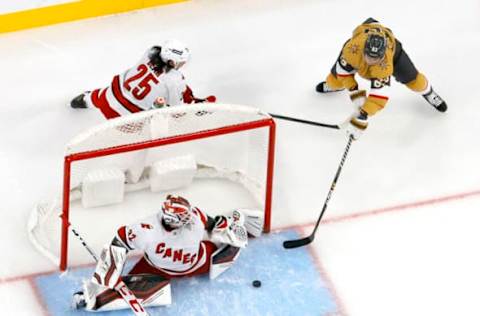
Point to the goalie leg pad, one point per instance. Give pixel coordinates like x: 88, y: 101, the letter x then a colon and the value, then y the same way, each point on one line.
x: 223, y: 259
x: 149, y: 289
x: 109, y: 266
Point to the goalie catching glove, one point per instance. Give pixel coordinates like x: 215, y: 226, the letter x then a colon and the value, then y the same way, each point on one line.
x: 253, y: 221
x: 233, y: 230
x: 230, y: 230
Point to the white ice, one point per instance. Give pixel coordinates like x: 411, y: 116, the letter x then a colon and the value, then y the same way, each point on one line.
x: 413, y: 260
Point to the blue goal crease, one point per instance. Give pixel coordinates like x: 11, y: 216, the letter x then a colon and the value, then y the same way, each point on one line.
x: 290, y: 285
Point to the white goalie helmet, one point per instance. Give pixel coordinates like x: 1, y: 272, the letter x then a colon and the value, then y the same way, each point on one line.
x: 175, y: 51
x: 176, y: 211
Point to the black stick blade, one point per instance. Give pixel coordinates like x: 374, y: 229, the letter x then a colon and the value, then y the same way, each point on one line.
x: 289, y: 244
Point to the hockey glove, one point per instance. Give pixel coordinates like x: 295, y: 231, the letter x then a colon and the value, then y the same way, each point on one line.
x: 189, y: 98
x: 358, y: 97
x: 159, y: 103
x: 357, y: 124
x: 209, y: 99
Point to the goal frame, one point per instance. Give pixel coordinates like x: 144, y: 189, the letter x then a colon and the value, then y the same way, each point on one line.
x: 69, y: 159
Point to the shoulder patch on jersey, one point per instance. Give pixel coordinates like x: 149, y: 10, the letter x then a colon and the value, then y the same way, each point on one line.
x: 354, y: 49
x: 122, y: 236
x: 380, y: 83
x: 131, y: 235
x: 344, y: 64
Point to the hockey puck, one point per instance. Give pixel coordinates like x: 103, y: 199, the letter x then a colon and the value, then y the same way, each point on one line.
x: 256, y: 283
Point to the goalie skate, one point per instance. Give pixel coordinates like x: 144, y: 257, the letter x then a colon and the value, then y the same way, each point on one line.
x: 78, y: 300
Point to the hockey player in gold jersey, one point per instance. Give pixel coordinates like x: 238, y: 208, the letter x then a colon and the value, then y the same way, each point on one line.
x: 375, y: 54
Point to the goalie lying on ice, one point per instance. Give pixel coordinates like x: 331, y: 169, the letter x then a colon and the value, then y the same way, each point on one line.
x: 178, y: 241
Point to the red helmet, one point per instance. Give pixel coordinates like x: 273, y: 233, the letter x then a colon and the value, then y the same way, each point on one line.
x: 176, y: 211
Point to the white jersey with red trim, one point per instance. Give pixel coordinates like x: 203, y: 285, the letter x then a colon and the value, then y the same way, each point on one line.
x: 176, y: 252
x: 137, y: 89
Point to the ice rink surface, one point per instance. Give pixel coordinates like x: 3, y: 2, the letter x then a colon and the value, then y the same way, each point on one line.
x: 401, y: 233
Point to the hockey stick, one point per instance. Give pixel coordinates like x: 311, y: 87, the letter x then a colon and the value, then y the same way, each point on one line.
x: 306, y: 240
x: 121, y: 287
x: 293, y: 119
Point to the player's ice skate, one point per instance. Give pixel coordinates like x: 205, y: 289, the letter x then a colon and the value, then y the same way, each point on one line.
x: 435, y: 100
x: 323, y: 87
x: 79, y: 102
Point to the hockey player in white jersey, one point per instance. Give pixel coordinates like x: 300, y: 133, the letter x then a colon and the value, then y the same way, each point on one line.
x: 154, y: 82
x: 178, y: 241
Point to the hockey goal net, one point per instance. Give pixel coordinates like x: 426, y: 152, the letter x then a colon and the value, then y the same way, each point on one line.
x: 232, y: 143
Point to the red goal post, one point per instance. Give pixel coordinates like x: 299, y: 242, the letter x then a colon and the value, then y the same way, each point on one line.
x: 232, y: 142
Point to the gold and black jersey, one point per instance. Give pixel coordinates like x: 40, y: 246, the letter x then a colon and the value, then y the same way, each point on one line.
x: 352, y: 52
x: 351, y: 61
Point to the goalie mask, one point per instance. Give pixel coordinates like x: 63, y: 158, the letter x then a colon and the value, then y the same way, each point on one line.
x: 176, y: 211
x: 175, y: 53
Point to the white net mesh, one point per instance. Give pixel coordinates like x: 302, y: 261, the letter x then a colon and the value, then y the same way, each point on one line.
x: 209, y: 132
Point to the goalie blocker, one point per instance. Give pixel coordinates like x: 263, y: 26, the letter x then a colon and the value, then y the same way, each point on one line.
x: 178, y: 241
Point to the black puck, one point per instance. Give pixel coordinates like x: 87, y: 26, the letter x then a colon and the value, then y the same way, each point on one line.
x: 256, y: 283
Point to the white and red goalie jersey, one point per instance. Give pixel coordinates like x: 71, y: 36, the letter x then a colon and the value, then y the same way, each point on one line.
x: 141, y: 88
x: 173, y: 246
x: 177, y: 252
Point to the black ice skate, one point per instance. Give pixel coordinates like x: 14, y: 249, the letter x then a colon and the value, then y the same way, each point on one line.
x: 322, y: 87
x: 78, y: 300
x: 79, y: 102
x: 435, y: 100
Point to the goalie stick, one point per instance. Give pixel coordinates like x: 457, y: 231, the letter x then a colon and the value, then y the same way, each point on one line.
x: 295, y: 243
x: 121, y: 288
x: 293, y: 119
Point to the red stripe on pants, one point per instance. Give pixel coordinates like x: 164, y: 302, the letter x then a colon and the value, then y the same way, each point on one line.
x: 117, y: 93
x: 99, y: 100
